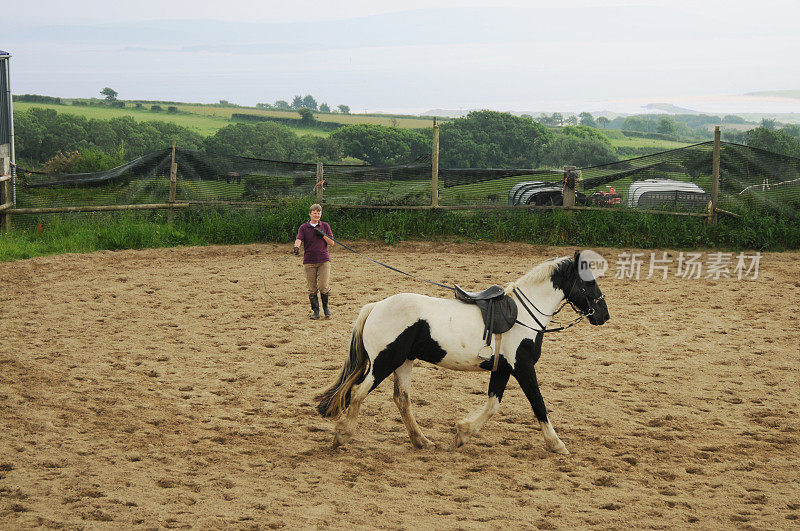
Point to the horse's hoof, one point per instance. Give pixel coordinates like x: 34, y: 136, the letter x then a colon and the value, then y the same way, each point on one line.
x: 340, y: 440
x: 459, y: 442
x: 561, y: 449
x: 425, y: 444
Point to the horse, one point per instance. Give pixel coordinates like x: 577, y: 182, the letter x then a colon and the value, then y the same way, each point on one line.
x: 390, y: 334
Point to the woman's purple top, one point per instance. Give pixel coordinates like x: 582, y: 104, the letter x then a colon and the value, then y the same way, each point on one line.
x: 315, y: 248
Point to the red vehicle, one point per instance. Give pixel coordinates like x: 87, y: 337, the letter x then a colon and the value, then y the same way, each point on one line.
x: 611, y: 197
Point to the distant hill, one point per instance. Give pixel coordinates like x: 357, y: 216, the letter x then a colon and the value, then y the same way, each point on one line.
x: 669, y: 108
x: 445, y: 113
x: 792, y: 94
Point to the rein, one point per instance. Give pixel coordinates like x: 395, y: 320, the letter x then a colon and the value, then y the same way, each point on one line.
x: 390, y: 267
x: 520, y: 296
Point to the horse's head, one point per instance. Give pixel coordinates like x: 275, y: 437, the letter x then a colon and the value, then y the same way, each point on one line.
x: 580, y: 289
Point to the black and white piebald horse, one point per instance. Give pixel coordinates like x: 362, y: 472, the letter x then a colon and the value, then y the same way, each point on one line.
x: 390, y: 334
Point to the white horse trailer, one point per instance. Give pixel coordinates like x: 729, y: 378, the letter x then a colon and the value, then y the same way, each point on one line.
x: 660, y: 193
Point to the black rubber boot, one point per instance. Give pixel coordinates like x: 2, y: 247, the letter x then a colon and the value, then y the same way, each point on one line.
x: 325, y: 305
x: 314, y: 306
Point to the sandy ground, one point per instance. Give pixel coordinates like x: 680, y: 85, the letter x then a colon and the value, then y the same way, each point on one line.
x: 166, y: 388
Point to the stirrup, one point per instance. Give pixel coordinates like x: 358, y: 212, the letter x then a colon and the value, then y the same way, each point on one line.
x: 486, y: 353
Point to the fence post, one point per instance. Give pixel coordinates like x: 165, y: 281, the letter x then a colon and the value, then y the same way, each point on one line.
x: 5, y: 186
x: 320, y: 181
x: 712, y: 215
x: 173, y: 181
x: 570, y: 181
x: 435, y: 166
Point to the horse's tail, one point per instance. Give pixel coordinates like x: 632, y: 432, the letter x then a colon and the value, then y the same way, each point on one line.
x: 334, y: 400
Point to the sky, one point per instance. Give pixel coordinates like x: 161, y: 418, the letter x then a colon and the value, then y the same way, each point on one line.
x: 414, y: 56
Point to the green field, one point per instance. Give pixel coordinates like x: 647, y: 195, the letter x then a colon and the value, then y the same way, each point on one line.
x: 618, y: 139
x: 208, y: 119
x: 204, y: 125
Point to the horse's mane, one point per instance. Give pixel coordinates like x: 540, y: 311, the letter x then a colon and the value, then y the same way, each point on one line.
x: 541, y: 273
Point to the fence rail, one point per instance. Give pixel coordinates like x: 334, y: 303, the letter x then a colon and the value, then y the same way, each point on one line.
x: 702, y: 180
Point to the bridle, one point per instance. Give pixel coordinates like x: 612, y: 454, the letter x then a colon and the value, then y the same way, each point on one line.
x: 522, y: 298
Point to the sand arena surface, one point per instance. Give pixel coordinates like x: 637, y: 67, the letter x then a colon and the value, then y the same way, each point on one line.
x: 164, y: 388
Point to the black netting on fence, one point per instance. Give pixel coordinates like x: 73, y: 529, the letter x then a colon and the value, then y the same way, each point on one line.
x: 473, y: 186
x: 676, y: 180
x: 680, y: 180
x: 758, y: 179
x: 213, y: 177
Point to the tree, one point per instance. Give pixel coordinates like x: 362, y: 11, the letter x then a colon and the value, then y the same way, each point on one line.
x: 40, y: 134
x: 579, y: 151
x: 267, y: 140
x: 792, y: 130
x: 603, y: 122
x: 297, y: 103
x: 323, y: 107
x: 306, y: 116
x: 768, y: 123
x: 587, y: 119
x: 381, y: 145
x: 489, y: 139
x: 344, y: 109
x: 583, y: 131
x: 774, y: 141
x: 557, y: 118
x: 544, y: 119
x: 309, y: 102
x: 283, y: 105
x: 666, y: 125
x: 635, y: 123
x: 109, y: 93
x: 733, y: 119
x: 571, y: 120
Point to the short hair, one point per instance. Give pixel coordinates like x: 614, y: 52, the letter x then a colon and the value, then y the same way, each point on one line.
x: 315, y: 206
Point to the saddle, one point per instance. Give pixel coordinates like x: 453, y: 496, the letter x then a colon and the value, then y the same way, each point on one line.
x: 499, y: 313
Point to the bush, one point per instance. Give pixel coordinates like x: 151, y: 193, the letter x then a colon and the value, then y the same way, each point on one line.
x: 118, y: 104
x: 86, y: 160
x: 41, y: 134
x: 156, y: 108
x: 36, y: 98
x: 172, y: 109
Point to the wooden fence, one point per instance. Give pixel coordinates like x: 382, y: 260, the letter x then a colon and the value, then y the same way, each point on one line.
x: 571, y: 179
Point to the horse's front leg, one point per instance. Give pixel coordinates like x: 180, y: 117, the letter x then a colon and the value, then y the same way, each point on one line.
x: 472, y: 423
x: 527, y: 354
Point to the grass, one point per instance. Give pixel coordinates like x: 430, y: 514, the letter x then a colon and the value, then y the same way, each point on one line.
x: 204, y: 125
x: 208, y: 119
x: 113, y: 231
x: 660, y: 145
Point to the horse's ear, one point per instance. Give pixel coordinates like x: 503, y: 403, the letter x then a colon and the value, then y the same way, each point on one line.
x: 577, y: 257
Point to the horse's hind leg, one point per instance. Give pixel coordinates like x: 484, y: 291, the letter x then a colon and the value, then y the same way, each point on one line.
x: 472, y: 423
x: 346, y: 425
x: 402, y: 384
x: 381, y: 367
